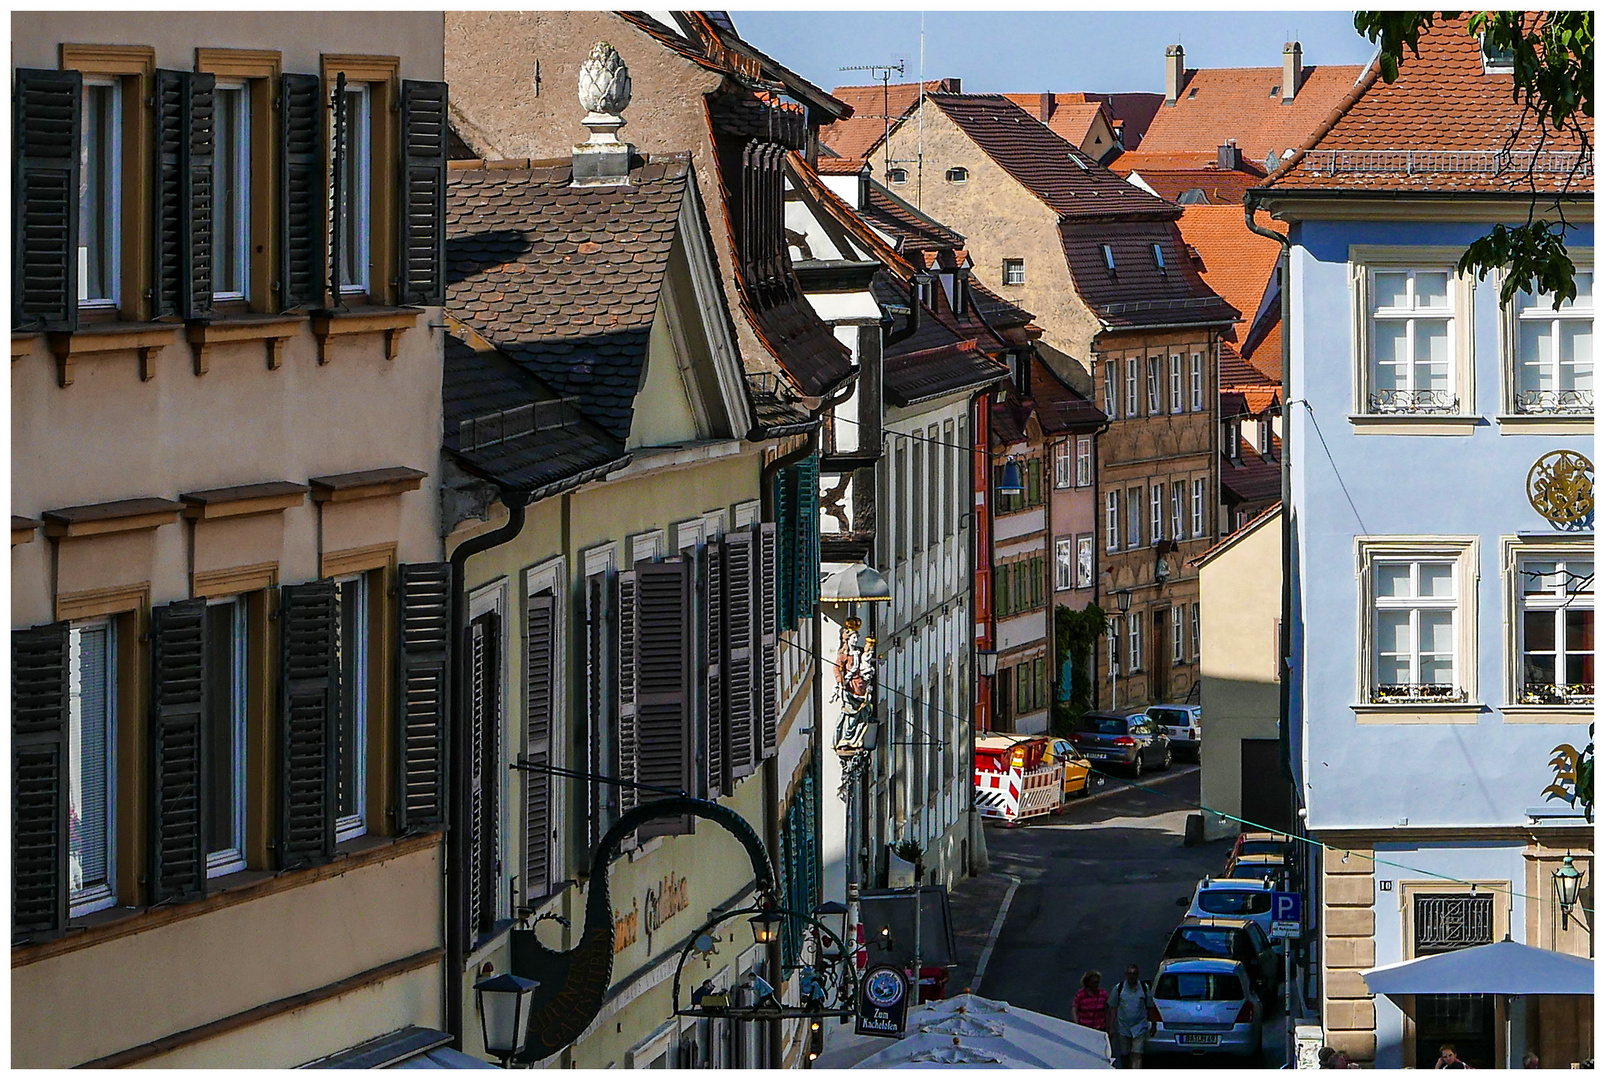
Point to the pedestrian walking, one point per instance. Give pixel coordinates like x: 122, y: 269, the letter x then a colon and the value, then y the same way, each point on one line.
x: 1449, y: 1059
x: 1091, y: 1002
x: 1130, y: 1006
x: 1529, y: 1060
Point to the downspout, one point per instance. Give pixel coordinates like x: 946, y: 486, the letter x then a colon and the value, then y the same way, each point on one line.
x: 458, y: 757
x: 1097, y: 680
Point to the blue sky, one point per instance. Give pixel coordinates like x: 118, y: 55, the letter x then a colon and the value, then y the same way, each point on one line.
x: 1032, y: 51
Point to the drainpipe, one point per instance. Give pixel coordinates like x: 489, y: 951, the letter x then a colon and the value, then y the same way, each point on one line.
x: 1097, y: 524
x: 458, y: 756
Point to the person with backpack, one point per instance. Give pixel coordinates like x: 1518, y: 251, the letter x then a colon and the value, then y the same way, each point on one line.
x: 1091, y: 1003
x: 1130, y: 1007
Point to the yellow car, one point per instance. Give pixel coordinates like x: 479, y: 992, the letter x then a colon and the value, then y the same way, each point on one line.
x: 1076, y: 767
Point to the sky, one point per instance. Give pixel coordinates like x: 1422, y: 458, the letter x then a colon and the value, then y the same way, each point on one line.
x: 1034, y: 51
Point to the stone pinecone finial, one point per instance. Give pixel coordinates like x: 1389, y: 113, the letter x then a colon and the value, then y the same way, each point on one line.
x: 604, y: 81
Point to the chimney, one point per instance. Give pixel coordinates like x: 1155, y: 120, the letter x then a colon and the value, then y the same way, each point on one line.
x: 1292, y: 70
x: 1044, y: 107
x: 1175, y: 69
x: 1228, y: 158
x: 603, y: 160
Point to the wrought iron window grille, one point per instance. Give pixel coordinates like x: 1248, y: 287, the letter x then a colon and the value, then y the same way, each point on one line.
x: 1414, y: 401
x: 1557, y: 694
x: 1446, y: 923
x: 1402, y: 693
x: 1551, y: 402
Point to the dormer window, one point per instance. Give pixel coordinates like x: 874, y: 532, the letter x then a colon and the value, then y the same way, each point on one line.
x: 1497, y: 61
x: 1109, y: 259
x: 1276, y: 91
x: 958, y: 174
x: 897, y: 176
x: 1159, y: 259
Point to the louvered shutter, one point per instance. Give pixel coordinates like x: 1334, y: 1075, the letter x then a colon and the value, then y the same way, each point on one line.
x: 309, y: 720
x: 765, y: 735
x: 41, y: 694
x: 484, y: 711
x: 167, y: 235
x: 200, y: 111
x: 181, y: 273
x: 46, y: 131
x: 626, y: 656
x: 597, y: 797
x: 423, y: 217
x: 303, y: 196
x: 423, y: 673
x: 539, y: 658
x: 740, y: 657
x: 178, y: 692
x: 806, y: 581
x: 713, y: 679
x: 663, y: 684
x: 785, y: 502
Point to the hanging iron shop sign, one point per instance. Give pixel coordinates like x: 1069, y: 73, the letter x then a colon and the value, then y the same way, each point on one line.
x: 883, y: 1002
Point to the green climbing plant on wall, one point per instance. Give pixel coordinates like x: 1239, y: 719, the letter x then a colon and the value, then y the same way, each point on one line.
x: 1076, y: 634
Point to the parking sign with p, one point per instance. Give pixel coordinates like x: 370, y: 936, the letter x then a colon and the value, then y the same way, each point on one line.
x: 1287, y: 914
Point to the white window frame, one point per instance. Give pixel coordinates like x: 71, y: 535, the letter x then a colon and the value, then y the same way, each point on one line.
x: 1198, y: 382
x: 1156, y: 513
x: 1114, y: 643
x: 1373, y: 551
x: 1111, y: 389
x: 1175, y: 383
x: 1083, y: 461
x: 1064, y: 567
x: 1134, y: 624
x: 1014, y: 271
x: 1178, y: 641
x: 1159, y: 260
x: 1365, y: 262
x: 1131, y: 386
x: 1556, y: 405
x: 1063, y: 477
x: 358, y: 177
x: 1198, y: 644
x: 1516, y: 552
x: 113, y: 254
x: 355, y: 824
x: 1084, y: 561
x: 237, y: 92
x: 1198, y: 507
x: 1133, y: 518
x: 1111, y: 521
x: 958, y: 174
x: 232, y: 859
x: 1178, y: 508
x: 82, y: 901
x: 1156, y: 403
x: 897, y: 176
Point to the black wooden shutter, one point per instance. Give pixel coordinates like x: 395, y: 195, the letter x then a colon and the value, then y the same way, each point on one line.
x: 767, y: 708
x: 182, y: 239
x: 539, y: 656
x: 309, y: 718
x: 663, y: 684
x: 713, y: 680
x: 741, y: 657
x: 178, y: 693
x: 423, y: 674
x: 484, y: 712
x: 339, y: 180
x: 41, y: 694
x: 167, y: 235
x: 423, y: 216
x: 597, y: 796
x: 46, y: 131
x: 303, y: 198
x: 625, y: 655
x: 200, y: 144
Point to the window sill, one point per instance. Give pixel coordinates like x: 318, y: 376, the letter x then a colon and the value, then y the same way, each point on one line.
x: 94, y: 339
x: 1413, y: 423
x: 274, y: 330
x: 1419, y: 712
x: 1548, y: 714
x: 22, y: 343
x: 392, y: 322
x: 1545, y: 423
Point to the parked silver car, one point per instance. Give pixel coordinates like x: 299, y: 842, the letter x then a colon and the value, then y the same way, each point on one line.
x: 1233, y: 898
x: 1207, y: 1006
x: 1184, y: 725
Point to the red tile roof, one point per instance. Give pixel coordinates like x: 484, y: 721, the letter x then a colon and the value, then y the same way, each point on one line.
x: 1438, y: 127
x: 1138, y: 293
x: 1237, y: 264
x: 1263, y: 348
x: 831, y: 166
x: 1069, y: 116
x: 874, y: 108
x: 1053, y: 169
x: 1059, y: 407
x: 1217, y: 104
x: 1252, y: 476
x: 1208, y: 186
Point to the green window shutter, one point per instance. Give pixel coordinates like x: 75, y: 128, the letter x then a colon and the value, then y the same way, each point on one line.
x: 178, y: 692
x: 423, y: 216
x: 785, y: 489
x: 663, y: 684
x: 807, y: 576
x: 424, y: 603
x: 303, y: 192
x: 540, y: 632
x: 47, y: 127
x: 41, y: 696
x: 309, y: 712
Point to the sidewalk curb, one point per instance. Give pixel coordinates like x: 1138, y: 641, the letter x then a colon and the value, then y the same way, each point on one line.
x: 992, y: 937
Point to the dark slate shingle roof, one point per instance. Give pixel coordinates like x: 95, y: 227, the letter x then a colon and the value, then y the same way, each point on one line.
x: 1138, y: 293
x: 565, y: 280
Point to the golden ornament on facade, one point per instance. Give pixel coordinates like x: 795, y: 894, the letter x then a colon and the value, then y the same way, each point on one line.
x: 1561, y: 487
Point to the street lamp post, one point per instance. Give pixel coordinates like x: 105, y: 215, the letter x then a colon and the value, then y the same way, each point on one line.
x: 504, y: 1012
x: 1123, y: 604
x: 1567, y: 881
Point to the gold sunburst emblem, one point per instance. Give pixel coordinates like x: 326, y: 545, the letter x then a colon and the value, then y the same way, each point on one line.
x: 1560, y: 486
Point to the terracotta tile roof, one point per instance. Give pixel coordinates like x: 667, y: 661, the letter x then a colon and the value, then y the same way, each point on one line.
x: 1217, y: 104
x: 837, y: 166
x: 1263, y: 348
x: 1210, y: 187
x: 874, y: 107
x: 1059, y: 407
x: 565, y: 280
x: 1070, y: 116
x: 1000, y: 314
x: 1058, y: 173
x: 939, y: 359
x: 1132, y: 113
x: 1235, y: 372
x: 1145, y: 162
x: 1252, y: 476
x: 1443, y: 120
x: 911, y: 229
x: 1237, y: 264
x: 1138, y: 293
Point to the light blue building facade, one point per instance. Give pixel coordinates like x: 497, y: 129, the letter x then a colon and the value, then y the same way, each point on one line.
x: 1441, y: 604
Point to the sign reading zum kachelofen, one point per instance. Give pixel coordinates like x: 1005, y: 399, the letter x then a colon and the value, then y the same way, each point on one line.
x: 883, y: 1002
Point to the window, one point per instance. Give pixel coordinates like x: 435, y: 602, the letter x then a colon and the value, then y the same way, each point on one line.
x: 1154, y: 406
x: 1064, y: 566
x: 1114, y: 643
x: 1412, y: 353
x: 958, y: 175
x: 1198, y: 645
x: 1111, y: 393
x: 900, y: 480
x: 1159, y: 259
x: 225, y: 733
x: 1198, y: 382
x: 1554, y: 352
x: 1175, y: 383
x: 1063, y: 473
x: 353, y: 201
x: 1178, y: 500
x: 897, y: 176
x: 955, y: 476
x: 1014, y: 271
x: 1263, y: 428
x: 1233, y: 438
x: 1496, y: 61
x: 1084, y: 462
x: 1134, y: 517
x: 1131, y: 386
x: 1556, y: 631
x: 1108, y: 259
x: 1178, y: 643
x: 351, y: 787
x: 100, y: 195
x: 1111, y: 520
x: 1134, y: 644
x: 1033, y: 482
x: 1414, y: 626
x: 231, y: 192
x: 1156, y: 513
x: 1084, y: 561
x: 91, y: 763
x: 1198, y: 508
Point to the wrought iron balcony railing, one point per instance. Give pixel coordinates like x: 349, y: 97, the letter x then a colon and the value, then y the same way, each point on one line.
x: 1405, y: 693
x: 1414, y: 401
x: 1428, y: 162
x: 1556, y: 402
x: 1557, y: 694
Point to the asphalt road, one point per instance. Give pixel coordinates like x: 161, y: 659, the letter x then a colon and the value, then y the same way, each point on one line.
x: 1099, y: 888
